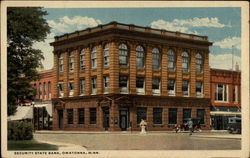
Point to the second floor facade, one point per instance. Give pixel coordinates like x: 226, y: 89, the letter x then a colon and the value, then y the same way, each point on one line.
x: 123, y: 60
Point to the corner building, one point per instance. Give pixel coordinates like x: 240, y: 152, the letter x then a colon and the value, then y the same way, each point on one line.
x: 111, y: 76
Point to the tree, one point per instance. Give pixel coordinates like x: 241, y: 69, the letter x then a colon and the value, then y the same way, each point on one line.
x: 25, y: 26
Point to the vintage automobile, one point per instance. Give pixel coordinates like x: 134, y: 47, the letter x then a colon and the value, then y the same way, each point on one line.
x: 234, y: 125
x: 184, y: 126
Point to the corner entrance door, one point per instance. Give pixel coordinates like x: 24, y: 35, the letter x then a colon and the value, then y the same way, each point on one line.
x: 106, y: 118
x: 60, y: 119
x: 124, y: 119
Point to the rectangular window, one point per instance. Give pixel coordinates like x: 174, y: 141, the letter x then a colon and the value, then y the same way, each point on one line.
x: 40, y: 91
x: 93, y: 58
x: 81, y: 116
x: 93, y: 85
x: 186, y: 115
x: 49, y: 89
x: 140, y: 85
x: 60, y: 90
x: 82, y: 87
x: 171, y: 87
x: 70, y: 116
x: 201, y: 115
x: 123, y: 84
x: 71, y: 88
x: 185, y: 88
x: 172, y: 116
x: 106, y: 56
x: 34, y: 86
x: 71, y: 62
x: 157, y: 115
x: 221, y: 93
x: 141, y: 114
x: 82, y: 60
x: 156, y: 86
x: 199, y: 89
x: 92, y: 115
x: 106, y: 84
x: 60, y: 63
x: 235, y: 94
x: 44, y: 91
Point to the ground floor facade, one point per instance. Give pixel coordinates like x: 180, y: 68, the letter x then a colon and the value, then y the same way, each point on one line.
x: 124, y: 112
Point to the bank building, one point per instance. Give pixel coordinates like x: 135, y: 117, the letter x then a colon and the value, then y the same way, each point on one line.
x: 111, y: 76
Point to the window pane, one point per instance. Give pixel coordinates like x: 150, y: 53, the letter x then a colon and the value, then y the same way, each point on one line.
x: 186, y: 115
x: 81, y: 116
x: 70, y: 116
x: 172, y: 116
x: 123, y: 81
x: 92, y: 115
x: 156, y: 84
x: 139, y: 82
x: 157, y: 115
x: 141, y: 114
x: 201, y: 115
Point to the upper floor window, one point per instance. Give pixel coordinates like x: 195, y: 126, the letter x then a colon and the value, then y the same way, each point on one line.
x: 185, y: 62
x: 49, y: 89
x: 221, y: 93
x: 140, y: 85
x: 199, y: 89
x: 93, y: 58
x: 235, y: 94
x: 60, y: 90
x: 93, y: 85
x: 185, y: 88
x: 123, y: 55
x: 82, y: 60
x: 106, y: 56
x: 171, y: 61
x: 123, y: 84
x: 156, y: 86
x: 106, y: 84
x: 44, y: 90
x: 82, y: 86
x: 198, y: 61
x: 156, y: 59
x: 171, y: 87
x: 71, y: 61
x: 71, y: 88
x: 60, y: 63
x: 139, y: 57
x: 40, y: 91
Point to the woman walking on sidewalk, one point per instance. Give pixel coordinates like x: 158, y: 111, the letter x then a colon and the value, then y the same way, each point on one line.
x: 190, y: 126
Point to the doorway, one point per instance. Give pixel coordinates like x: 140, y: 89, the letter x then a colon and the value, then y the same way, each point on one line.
x: 106, y: 118
x: 60, y: 119
x: 124, y: 119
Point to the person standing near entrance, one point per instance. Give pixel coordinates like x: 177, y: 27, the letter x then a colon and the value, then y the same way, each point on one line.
x: 190, y: 126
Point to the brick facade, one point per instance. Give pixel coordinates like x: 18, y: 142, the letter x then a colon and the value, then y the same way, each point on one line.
x: 122, y: 108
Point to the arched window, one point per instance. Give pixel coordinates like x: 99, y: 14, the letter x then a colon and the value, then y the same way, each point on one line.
x: 106, y: 55
x: 198, y: 61
x: 123, y: 55
x: 139, y: 57
x: 60, y: 63
x: 82, y: 60
x: 93, y: 58
x: 71, y: 61
x: 171, y: 61
x: 185, y: 62
x: 156, y: 59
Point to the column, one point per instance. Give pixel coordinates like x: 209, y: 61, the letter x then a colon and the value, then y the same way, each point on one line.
x: 192, y: 73
x: 66, y: 73
x: 114, y: 68
x: 99, y: 54
x: 206, y: 71
x: 178, y: 84
x: 132, y: 69
x: 164, y: 72
x: 76, y: 71
x: 87, y: 72
x: 148, y: 85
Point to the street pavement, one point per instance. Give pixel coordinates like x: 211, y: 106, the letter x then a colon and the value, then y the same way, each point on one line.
x: 136, y: 141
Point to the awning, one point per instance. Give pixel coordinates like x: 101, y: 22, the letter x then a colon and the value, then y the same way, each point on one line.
x: 48, y: 107
x: 22, y: 113
x: 224, y: 113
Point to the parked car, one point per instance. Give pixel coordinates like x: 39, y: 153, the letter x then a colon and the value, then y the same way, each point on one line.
x: 234, y: 125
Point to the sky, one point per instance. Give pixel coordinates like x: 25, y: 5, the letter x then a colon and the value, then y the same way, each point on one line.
x: 221, y: 25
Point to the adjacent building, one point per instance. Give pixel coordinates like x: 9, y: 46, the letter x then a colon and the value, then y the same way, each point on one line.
x: 225, y: 96
x: 111, y: 76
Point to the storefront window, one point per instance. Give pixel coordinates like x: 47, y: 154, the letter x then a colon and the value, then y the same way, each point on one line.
x: 201, y: 115
x: 81, y: 116
x: 92, y: 115
x: 70, y: 116
x: 186, y: 115
x: 141, y: 114
x: 157, y: 115
x: 172, y: 116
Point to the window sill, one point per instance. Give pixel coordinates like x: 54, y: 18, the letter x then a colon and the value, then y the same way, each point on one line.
x: 218, y: 101
x: 82, y: 71
x: 106, y: 67
x: 71, y: 72
x: 157, y: 70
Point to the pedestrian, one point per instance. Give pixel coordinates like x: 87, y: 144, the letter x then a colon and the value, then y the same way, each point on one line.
x: 143, y: 125
x: 190, y: 126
